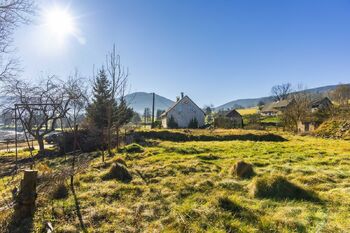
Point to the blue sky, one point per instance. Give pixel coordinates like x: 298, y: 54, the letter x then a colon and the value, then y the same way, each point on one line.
x: 214, y: 51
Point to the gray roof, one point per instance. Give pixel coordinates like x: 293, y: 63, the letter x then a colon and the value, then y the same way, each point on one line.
x: 274, y: 106
x: 317, y: 101
x: 177, y: 102
x: 233, y: 113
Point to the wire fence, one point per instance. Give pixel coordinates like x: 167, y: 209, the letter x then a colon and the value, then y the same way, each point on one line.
x: 10, y: 180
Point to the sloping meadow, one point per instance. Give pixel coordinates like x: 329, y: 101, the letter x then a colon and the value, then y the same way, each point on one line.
x: 301, y: 184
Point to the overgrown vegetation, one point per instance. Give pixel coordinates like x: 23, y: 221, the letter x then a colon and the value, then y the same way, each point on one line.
x: 172, y: 191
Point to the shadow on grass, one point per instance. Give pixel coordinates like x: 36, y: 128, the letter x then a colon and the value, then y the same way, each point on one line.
x: 183, y: 137
x: 77, y: 206
x: 279, y: 188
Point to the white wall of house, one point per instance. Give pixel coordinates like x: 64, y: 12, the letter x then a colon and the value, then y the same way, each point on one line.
x: 183, y: 112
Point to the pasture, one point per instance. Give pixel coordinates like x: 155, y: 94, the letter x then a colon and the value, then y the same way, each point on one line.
x: 188, y: 186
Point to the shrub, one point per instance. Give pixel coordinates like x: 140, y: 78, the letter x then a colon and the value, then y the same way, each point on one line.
x: 183, y: 137
x: 60, y: 191
x: 133, y: 148
x: 243, y: 170
x: 87, y: 140
x: 278, y: 187
x: 119, y: 172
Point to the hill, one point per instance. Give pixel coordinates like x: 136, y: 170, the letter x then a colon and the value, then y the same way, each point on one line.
x: 141, y: 100
x: 248, y: 103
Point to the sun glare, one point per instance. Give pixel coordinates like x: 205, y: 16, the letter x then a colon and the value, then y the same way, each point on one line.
x: 59, y: 22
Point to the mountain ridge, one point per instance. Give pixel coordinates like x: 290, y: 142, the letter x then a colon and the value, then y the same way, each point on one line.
x: 141, y: 100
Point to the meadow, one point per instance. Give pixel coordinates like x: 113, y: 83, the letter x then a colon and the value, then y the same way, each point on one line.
x: 188, y: 186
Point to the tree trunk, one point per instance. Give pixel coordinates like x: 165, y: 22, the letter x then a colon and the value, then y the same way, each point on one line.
x: 109, y: 141
x: 40, y: 140
x: 109, y: 129
x: 117, y: 138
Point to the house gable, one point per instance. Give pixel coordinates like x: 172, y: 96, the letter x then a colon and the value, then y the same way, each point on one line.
x: 183, y: 111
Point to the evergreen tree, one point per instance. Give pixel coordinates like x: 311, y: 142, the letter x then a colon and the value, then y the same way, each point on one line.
x: 102, y: 97
x: 124, y: 113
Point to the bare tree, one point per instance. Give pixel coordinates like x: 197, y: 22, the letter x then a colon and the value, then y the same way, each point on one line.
x: 281, y: 92
x: 298, y: 110
x: 118, y: 76
x: 40, y: 106
x: 12, y: 14
x: 78, y: 94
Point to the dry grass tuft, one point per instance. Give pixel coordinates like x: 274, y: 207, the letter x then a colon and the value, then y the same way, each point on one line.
x: 60, y: 191
x: 119, y: 172
x: 243, y: 170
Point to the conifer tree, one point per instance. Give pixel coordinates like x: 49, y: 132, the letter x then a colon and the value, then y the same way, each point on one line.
x: 102, y: 97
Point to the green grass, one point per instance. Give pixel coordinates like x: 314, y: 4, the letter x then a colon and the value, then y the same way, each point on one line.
x: 188, y: 187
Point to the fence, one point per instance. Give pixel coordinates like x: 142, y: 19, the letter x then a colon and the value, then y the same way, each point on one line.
x: 10, y: 181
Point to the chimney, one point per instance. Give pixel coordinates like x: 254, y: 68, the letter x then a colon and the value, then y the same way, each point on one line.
x: 182, y: 95
x: 177, y: 98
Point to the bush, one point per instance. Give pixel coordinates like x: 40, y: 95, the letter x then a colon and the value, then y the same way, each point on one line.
x: 243, y: 170
x: 278, y: 187
x: 60, y: 191
x: 133, y: 148
x: 87, y: 140
x: 167, y: 135
x: 119, y: 172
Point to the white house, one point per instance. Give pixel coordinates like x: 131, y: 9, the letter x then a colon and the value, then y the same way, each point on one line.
x: 182, y: 113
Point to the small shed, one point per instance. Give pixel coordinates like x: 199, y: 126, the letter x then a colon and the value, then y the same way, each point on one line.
x: 276, y: 108
x: 229, y: 119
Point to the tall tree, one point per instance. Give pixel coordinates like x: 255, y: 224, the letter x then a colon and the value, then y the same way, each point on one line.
x: 101, y: 102
x: 118, y: 77
x: 12, y: 14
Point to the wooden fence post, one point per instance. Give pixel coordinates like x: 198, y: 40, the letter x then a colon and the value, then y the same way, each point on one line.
x: 25, y: 200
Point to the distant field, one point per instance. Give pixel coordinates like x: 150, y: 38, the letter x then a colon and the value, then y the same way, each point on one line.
x: 248, y: 111
x: 188, y: 187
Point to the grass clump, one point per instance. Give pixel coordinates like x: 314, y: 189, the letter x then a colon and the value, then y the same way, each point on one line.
x: 278, y: 187
x: 60, y: 191
x: 133, y: 148
x: 243, y: 170
x: 120, y: 161
x: 119, y: 172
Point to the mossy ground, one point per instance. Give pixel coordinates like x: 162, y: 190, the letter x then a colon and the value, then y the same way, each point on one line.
x: 188, y: 187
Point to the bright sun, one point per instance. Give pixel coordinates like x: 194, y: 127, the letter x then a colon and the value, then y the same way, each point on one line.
x: 59, y: 22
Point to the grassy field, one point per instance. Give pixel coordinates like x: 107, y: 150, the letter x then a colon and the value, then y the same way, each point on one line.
x: 189, y: 187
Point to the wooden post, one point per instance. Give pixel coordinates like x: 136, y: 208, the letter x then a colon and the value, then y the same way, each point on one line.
x: 153, y: 100
x: 25, y: 200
